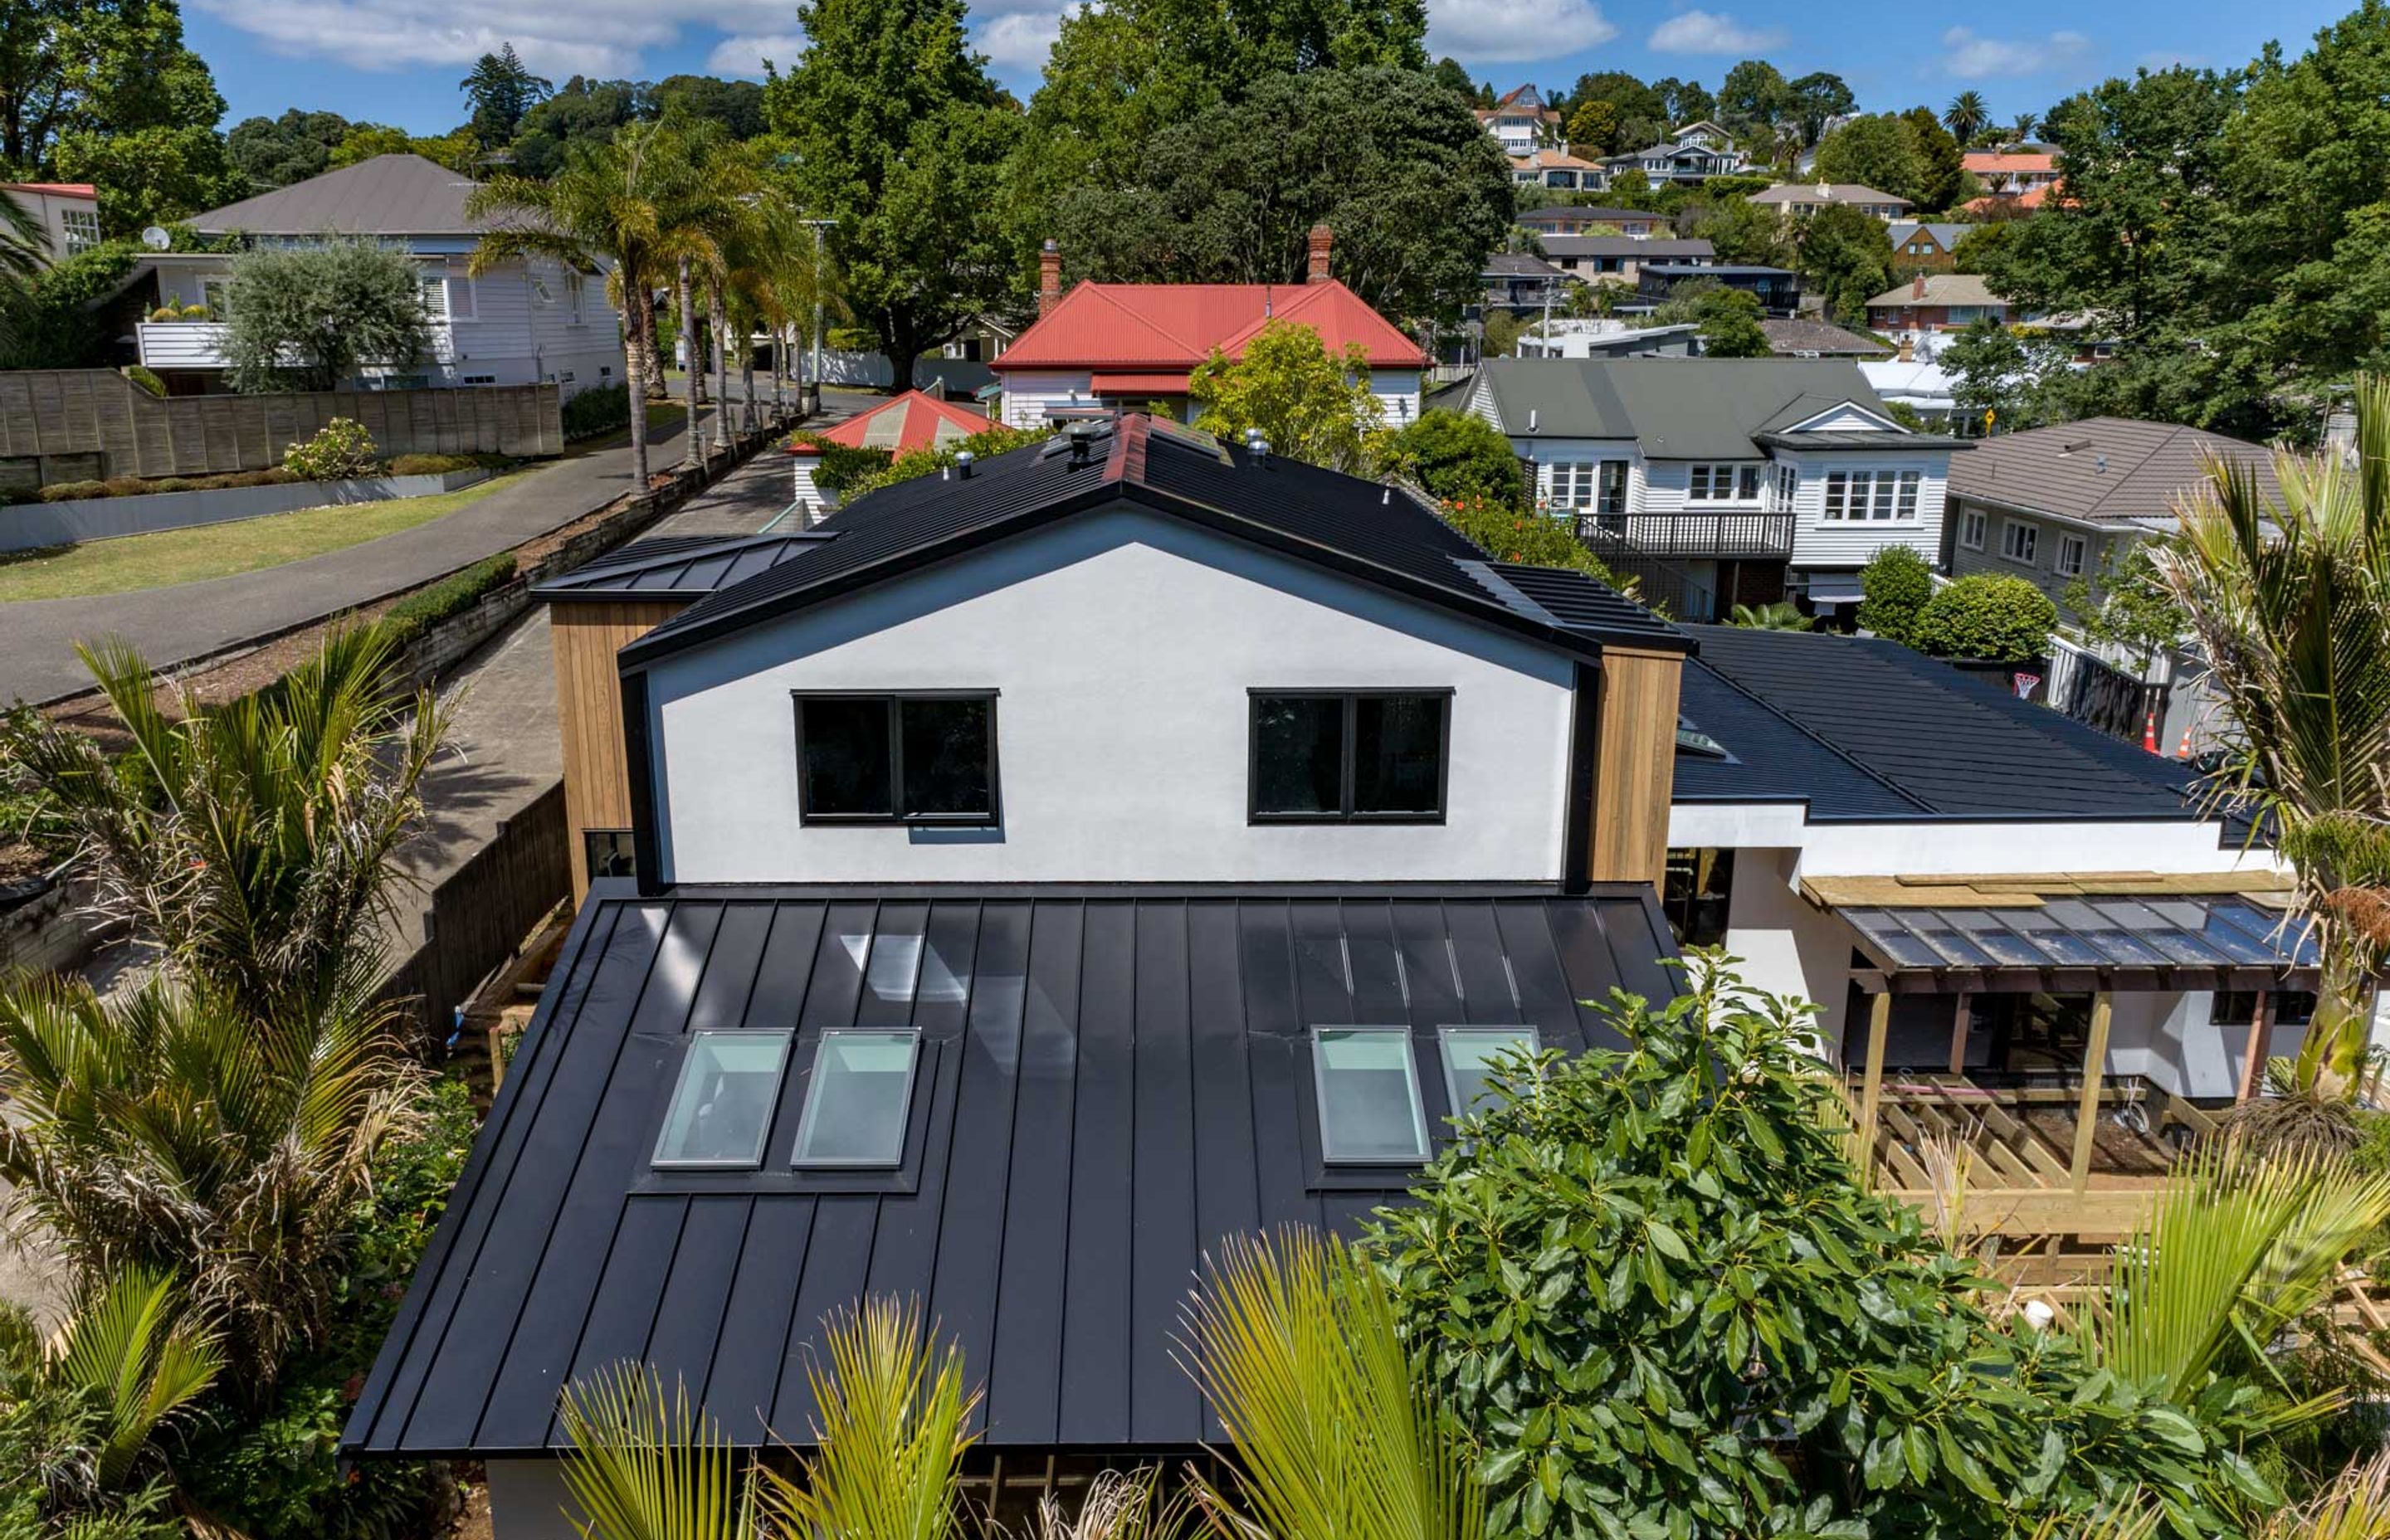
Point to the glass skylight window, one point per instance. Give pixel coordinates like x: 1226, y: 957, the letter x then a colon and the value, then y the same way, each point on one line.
x: 1471, y: 1055
x: 1370, y: 1108
x: 722, y: 1107
x: 857, y: 1105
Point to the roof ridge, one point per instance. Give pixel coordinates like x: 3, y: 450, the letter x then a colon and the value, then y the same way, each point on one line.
x: 2173, y: 430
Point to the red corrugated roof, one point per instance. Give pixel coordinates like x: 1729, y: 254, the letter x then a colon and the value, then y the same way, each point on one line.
x: 914, y: 417
x: 1174, y: 327
x: 56, y: 189
x: 1993, y: 159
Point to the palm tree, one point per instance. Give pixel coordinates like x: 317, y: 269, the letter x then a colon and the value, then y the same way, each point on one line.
x: 623, y: 204
x: 2290, y: 600
x: 255, y: 842
x: 2021, y: 131
x: 1966, y: 116
x: 172, y: 1131
x: 1294, y: 1341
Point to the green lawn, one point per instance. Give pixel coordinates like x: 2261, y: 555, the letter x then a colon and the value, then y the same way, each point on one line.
x: 137, y: 561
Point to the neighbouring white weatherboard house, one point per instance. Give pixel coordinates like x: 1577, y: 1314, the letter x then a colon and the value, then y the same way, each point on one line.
x: 524, y: 322
x: 1719, y: 482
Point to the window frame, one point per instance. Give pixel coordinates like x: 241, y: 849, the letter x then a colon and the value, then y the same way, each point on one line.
x: 799, y: 1161
x: 786, y: 1037
x: 1455, y: 1109
x: 1345, y: 813
x: 1979, y: 522
x: 589, y: 852
x: 1327, y: 1158
x: 896, y: 816
x: 79, y: 230
x: 2079, y: 544
x: 2032, y: 531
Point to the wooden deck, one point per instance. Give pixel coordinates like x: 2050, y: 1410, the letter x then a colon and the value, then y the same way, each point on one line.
x: 1983, y: 1161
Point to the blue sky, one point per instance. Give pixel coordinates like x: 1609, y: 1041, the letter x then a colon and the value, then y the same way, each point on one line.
x: 399, y: 60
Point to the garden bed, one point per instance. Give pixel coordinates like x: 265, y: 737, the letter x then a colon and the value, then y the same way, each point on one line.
x: 72, y: 521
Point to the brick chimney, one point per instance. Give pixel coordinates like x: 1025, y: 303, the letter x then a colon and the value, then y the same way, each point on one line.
x: 1321, y: 238
x: 1050, y: 278
x: 1917, y: 286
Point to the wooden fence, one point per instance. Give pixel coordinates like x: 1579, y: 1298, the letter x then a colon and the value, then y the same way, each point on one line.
x: 485, y: 908
x: 59, y: 424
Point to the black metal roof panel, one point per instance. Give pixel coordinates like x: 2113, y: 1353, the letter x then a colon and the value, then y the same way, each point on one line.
x: 680, y: 565
x: 1569, y: 599
x: 1110, y: 1082
x: 1363, y: 529
x: 1774, y: 759
x: 1961, y: 747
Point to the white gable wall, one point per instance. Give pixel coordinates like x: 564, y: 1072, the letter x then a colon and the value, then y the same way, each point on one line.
x: 1122, y: 647
x: 1031, y: 394
x: 1818, y: 542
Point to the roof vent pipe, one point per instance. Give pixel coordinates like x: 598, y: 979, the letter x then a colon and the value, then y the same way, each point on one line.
x: 963, y: 463
x: 1532, y: 415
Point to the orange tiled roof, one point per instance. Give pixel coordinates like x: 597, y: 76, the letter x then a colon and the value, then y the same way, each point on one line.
x: 914, y: 420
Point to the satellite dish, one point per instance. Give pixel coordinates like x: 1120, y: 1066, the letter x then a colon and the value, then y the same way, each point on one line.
x: 156, y: 238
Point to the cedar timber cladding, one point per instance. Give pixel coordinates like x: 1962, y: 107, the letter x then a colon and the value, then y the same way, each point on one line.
x: 589, y: 710
x: 1635, y: 758
x: 1112, y: 1081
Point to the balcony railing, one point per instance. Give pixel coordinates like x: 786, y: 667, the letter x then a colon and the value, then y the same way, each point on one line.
x: 1689, y: 534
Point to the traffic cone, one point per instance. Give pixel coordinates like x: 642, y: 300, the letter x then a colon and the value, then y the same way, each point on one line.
x: 2150, y: 731
x: 2183, y: 749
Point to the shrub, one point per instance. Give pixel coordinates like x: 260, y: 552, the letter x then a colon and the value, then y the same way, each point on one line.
x: 840, y: 465
x: 1456, y: 455
x: 411, y: 616
x: 1893, y: 585
x: 275, y: 1475
x: 914, y: 463
x: 165, y: 312
x: 195, y: 313
x: 598, y: 411
x: 135, y: 486
x: 2002, y: 620
x: 342, y: 448
x: 1506, y: 533
x: 439, y: 465
x: 147, y: 379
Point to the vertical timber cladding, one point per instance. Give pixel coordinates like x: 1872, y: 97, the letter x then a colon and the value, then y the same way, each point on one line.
x: 67, y: 414
x: 586, y: 637
x: 1635, y: 763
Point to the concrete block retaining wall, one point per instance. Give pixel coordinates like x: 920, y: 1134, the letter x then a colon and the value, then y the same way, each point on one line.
x: 28, y: 526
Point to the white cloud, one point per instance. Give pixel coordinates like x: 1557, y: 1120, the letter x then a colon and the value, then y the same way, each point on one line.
x: 1973, y: 57
x: 588, y: 37
x: 1711, y: 32
x: 744, y: 55
x: 1506, y: 31
x: 1020, y: 41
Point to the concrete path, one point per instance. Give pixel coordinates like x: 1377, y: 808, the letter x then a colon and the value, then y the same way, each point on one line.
x: 171, y: 626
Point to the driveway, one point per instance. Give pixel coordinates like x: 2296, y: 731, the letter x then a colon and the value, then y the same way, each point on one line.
x: 191, y: 620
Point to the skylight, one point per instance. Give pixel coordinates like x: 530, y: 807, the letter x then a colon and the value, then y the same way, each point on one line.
x: 1471, y: 1057
x: 1370, y: 1108
x: 722, y: 1107
x: 1690, y: 739
x: 857, y: 1104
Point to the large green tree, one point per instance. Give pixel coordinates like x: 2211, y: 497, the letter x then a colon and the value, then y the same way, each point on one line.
x: 501, y: 89
x: 1641, y: 111
x: 1877, y: 151
x: 274, y: 152
x: 1941, y: 163
x: 1414, y: 189
x: 1687, y: 101
x: 153, y: 176
x: 581, y: 111
x: 1755, y: 93
x: 1816, y: 98
x: 1845, y: 258
x: 896, y: 133
x: 307, y: 317
x: 94, y: 66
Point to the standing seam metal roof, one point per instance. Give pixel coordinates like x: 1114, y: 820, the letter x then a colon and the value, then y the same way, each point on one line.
x: 1111, y: 1082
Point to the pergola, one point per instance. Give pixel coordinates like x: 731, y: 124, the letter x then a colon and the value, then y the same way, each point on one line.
x: 2099, y: 935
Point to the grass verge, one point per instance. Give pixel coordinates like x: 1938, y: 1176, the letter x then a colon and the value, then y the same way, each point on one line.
x: 138, y: 561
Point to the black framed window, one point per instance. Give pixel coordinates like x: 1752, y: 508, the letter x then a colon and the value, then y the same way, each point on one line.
x: 1328, y: 757
x: 608, y: 853
x: 916, y: 757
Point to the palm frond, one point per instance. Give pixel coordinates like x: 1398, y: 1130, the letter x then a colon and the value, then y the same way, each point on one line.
x: 647, y: 1466
x: 1293, y: 1340
x: 132, y: 1346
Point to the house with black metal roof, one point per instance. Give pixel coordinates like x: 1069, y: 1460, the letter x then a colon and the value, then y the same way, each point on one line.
x: 2017, y: 930
x: 1036, y: 874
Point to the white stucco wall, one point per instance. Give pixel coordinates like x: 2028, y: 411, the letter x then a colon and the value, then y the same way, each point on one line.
x: 1122, y: 645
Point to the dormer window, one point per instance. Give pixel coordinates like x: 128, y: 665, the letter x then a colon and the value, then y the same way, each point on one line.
x: 1340, y: 756
x: 722, y: 1105
x: 1369, y: 1110
x: 860, y: 1099
x: 913, y: 758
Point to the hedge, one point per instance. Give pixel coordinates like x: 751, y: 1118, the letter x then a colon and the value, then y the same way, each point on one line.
x: 597, y: 411
x: 439, y: 465
x: 452, y: 595
x: 1896, y: 584
x: 141, y: 486
x: 2001, y: 619
x: 840, y: 466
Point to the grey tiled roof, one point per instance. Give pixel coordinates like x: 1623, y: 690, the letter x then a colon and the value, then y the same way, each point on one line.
x: 390, y: 195
x: 2103, y: 470
x: 1820, y: 337
x: 1677, y: 408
